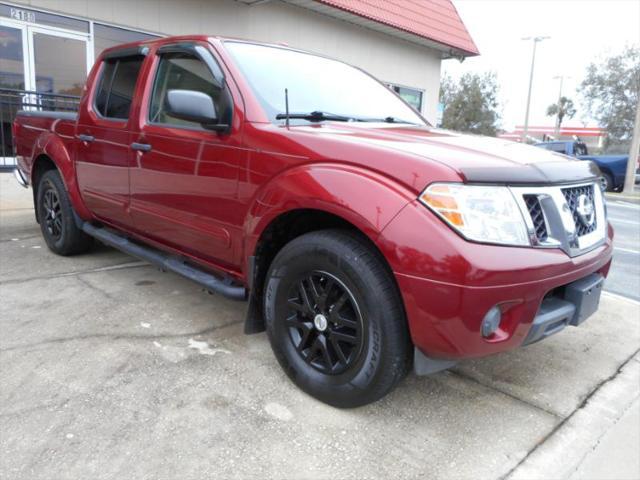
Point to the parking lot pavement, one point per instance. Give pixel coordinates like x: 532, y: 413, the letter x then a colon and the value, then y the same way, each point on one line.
x: 625, y: 273
x: 111, y: 369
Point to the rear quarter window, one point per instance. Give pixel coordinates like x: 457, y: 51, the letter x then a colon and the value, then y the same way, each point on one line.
x: 117, y: 87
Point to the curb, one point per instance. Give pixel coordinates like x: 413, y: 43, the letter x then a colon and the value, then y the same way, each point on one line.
x: 563, y: 450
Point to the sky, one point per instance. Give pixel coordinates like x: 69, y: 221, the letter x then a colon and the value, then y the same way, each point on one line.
x: 581, y: 31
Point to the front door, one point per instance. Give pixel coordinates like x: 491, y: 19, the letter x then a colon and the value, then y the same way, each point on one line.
x: 184, y: 178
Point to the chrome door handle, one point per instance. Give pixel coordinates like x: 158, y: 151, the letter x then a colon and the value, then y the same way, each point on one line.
x: 142, y: 147
x: 86, y: 138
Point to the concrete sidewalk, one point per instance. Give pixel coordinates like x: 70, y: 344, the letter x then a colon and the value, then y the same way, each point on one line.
x: 615, y: 457
x: 111, y: 369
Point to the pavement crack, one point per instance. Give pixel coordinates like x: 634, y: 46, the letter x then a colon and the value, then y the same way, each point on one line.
x: 91, y: 286
x: 18, y: 239
x: 35, y: 408
x: 118, y: 266
x: 504, y: 392
x: 580, y: 406
x: 113, y: 337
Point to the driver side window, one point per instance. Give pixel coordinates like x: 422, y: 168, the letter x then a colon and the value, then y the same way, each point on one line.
x: 182, y: 71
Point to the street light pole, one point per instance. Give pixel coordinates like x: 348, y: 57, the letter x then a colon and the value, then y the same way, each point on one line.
x: 556, y: 132
x: 634, y: 152
x: 533, y: 62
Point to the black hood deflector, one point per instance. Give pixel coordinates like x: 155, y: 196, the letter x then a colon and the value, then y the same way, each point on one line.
x: 534, y: 174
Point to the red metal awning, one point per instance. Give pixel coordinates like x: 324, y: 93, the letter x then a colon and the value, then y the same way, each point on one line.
x: 435, y: 21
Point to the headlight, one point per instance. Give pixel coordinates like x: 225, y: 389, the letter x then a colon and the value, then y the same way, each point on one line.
x: 484, y: 214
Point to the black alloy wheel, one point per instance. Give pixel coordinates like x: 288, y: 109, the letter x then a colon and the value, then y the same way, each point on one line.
x: 57, y: 218
x: 325, y: 323
x: 52, y: 213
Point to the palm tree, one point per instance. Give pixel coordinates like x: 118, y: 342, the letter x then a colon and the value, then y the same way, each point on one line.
x: 563, y: 108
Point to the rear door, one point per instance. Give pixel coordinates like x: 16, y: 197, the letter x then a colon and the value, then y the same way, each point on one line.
x: 103, y: 155
x: 184, y: 177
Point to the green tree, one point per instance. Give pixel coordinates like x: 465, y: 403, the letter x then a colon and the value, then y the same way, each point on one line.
x: 611, y: 90
x: 470, y: 105
x: 563, y: 108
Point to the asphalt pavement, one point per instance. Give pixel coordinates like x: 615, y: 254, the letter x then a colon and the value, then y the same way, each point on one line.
x: 624, y: 278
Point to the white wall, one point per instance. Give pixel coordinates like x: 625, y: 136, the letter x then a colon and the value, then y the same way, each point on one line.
x: 389, y: 59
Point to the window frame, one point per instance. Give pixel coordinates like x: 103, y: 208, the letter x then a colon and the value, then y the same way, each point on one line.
x: 203, y: 54
x: 116, y: 56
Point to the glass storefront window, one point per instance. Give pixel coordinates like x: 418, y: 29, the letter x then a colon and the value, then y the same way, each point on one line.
x: 105, y: 36
x: 11, y: 58
x: 60, y: 63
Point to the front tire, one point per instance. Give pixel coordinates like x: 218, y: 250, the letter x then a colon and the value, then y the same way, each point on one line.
x: 55, y: 215
x: 607, y: 182
x: 335, y: 318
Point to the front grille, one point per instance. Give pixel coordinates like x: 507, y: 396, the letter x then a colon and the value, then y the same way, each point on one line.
x: 569, y: 217
x: 539, y: 223
x: 572, y: 195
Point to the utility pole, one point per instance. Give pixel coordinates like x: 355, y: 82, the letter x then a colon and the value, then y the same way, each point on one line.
x: 556, y: 132
x: 533, y: 62
x: 630, y: 176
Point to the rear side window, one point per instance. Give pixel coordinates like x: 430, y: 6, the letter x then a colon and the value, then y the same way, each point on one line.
x: 117, y: 86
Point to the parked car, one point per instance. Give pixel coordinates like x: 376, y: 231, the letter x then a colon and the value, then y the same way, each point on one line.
x: 365, y: 240
x: 613, y: 167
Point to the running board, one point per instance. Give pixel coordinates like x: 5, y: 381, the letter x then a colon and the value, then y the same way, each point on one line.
x: 224, y: 287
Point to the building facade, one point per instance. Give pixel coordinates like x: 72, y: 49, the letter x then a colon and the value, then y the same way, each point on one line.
x: 48, y: 46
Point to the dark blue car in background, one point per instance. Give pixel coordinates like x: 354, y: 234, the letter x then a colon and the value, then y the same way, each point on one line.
x: 613, y: 167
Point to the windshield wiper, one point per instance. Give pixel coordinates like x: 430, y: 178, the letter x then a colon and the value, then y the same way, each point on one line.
x: 316, y: 116
x: 388, y: 120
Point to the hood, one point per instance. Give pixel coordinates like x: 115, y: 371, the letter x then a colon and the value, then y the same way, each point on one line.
x: 474, y: 158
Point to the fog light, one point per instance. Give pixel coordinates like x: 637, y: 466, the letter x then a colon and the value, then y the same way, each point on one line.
x: 491, y: 322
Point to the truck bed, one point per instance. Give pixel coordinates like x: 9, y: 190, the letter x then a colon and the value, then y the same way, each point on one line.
x: 30, y: 125
x: 73, y: 116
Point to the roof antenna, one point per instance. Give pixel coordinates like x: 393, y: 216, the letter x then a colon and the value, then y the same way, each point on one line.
x: 286, y: 107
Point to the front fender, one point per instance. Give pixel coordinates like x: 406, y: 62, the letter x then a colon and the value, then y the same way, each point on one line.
x: 366, y: 199
x: 53, y: 146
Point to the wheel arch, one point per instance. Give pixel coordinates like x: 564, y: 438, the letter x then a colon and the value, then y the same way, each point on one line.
x: 52, y: 153
x: 284, y: 228
x: 41, y: 164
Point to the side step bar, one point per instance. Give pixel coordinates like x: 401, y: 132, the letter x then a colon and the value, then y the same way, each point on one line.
x: 224, y: 287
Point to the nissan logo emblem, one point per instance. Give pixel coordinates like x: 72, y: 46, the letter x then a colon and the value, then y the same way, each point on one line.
x: 586, y: 210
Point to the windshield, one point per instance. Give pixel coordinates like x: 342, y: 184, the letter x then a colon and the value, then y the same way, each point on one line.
x: 316, y: 85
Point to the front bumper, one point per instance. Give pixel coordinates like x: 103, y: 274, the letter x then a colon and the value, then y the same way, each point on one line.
x: 571, y: 305
x: 448, y: 285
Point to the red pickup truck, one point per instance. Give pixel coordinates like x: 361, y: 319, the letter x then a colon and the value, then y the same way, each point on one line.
x: 365, y: 240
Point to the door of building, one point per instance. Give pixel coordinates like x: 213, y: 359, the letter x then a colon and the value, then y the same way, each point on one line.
x: 41, y: 67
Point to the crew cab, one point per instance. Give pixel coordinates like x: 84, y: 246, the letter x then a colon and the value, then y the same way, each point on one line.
x: 366, y: 241
x: 613, y: 167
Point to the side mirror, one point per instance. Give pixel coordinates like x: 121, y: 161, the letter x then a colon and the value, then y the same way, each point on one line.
x: 193, y: 106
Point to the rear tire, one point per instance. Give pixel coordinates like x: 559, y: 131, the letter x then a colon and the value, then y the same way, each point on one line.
x: 335, y: 319
x: 56, y: 218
